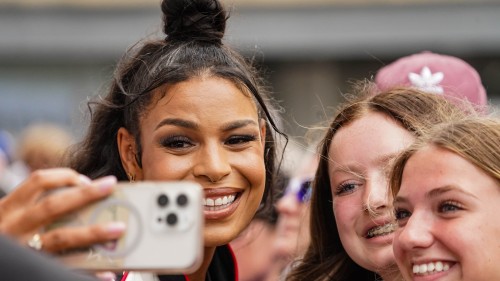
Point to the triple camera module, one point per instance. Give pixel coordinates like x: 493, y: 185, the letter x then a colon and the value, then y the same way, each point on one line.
x: 171, y: 217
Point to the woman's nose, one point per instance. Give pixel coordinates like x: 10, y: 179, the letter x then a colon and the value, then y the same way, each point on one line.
x: 288, y: 204
x: 213, y: 163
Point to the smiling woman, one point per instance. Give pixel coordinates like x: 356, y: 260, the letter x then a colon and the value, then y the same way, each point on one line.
x: 188, y: 136
x: 184, y: 107
x: 189, y: 108
x: 447, y: 188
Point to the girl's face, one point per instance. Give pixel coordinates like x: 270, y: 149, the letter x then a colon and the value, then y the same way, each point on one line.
x: 208, y: 131
x: 292, y: 227
x: 447, y: 211
x: 360, y: 160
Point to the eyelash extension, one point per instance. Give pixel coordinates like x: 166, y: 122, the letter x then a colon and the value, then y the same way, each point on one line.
x: 243, y: 138
x: 168, y: 141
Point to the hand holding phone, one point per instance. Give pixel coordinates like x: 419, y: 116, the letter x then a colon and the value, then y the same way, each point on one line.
x: 164, y: 229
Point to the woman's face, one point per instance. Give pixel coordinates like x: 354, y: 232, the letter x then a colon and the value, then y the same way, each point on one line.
x: 208, y: 131
x: 292, y: 228
x: 447, y: 211
x: 360, y: 160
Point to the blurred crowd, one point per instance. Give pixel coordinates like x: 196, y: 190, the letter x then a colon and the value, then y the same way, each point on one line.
x: 38, y: 146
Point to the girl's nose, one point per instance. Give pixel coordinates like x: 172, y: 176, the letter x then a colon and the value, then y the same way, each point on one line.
x: 376, y: 196
x: 416, y: 233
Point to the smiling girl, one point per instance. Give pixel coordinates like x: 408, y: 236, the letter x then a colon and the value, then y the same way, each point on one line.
x: 351, y: 207
x: 447, y: 189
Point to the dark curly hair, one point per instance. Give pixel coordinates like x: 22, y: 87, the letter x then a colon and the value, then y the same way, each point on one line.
x: 192, y: 47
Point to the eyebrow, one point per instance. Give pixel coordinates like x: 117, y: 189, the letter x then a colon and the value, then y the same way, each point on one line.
x: 238, y: 124
x: 177, y: 122
x: 384, y: 159
x: 388, y: 158
x: 192, y: 125
x: 447, y: 188
x: 350, y: 169
x: 436, y: 192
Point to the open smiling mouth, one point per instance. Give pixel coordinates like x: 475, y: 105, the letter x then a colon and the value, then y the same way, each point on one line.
x: 219, y: 203
x: 381, y: 230
x: 431, y: 268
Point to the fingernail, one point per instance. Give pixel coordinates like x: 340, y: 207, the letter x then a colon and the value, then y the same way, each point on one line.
x: 116, y: 227
x: 84, y: 180
x: 105, y: 184
x: 106, y: 276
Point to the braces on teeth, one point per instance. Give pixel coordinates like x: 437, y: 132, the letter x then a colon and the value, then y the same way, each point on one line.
x: 380, y: 230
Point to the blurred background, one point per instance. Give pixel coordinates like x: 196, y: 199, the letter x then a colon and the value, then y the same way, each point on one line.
x: 54, y: 54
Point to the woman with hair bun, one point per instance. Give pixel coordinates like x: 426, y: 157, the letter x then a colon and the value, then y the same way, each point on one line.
x: 185, y: 107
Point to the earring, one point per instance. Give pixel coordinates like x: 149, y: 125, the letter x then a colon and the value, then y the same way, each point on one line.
x: 131, y: 177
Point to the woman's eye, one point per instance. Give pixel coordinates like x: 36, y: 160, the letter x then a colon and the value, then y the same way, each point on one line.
x: 449, y: 206
x: 240, y: 139
x: 346, y: 188
x: 176, y: 142
x: 401, y: 215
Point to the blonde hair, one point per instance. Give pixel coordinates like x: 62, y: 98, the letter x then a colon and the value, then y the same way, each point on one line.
x: 476, y: 139
x: 43, y: 145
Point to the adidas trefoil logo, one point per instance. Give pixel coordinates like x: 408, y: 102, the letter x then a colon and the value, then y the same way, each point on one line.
x: 427, y: 81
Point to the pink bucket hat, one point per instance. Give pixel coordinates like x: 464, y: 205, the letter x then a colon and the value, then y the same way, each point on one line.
x: 436, y: 73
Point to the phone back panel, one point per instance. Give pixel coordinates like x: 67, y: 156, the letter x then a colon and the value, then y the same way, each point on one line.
x: 164, y: 229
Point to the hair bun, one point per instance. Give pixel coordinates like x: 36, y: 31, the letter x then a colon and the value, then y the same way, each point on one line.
x: 194, y: 20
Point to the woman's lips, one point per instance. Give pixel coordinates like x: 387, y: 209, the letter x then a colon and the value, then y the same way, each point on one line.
x: 218, y: 206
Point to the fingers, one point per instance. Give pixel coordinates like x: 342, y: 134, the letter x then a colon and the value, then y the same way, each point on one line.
x: 41, y: 181
x: 15, y: 208
x: 29, y: 208
x: 77, y: 237
x: 60, y: 203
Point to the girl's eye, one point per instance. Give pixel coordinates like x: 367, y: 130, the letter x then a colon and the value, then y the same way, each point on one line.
x: 401, y: 215
x: 240, y: 139
x: 176, y: 142
x: 449, y: 206
x: 346, y: 188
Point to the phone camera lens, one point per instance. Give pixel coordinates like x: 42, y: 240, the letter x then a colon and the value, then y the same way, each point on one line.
x: 162, y: 200
x: 182, y: 200
x: 171, y: 219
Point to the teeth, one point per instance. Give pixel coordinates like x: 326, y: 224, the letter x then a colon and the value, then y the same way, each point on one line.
x: 220, y: 201
x: 431, y: 267
x: 209, y: 202
x: 381, y: 230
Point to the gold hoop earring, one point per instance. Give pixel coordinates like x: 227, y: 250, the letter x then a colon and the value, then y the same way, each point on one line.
x: 131, y: 177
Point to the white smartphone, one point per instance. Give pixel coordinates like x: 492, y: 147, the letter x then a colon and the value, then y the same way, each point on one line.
x: 164, y: 231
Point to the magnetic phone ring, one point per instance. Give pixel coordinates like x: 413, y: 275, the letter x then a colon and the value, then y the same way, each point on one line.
x: 125, y: 212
